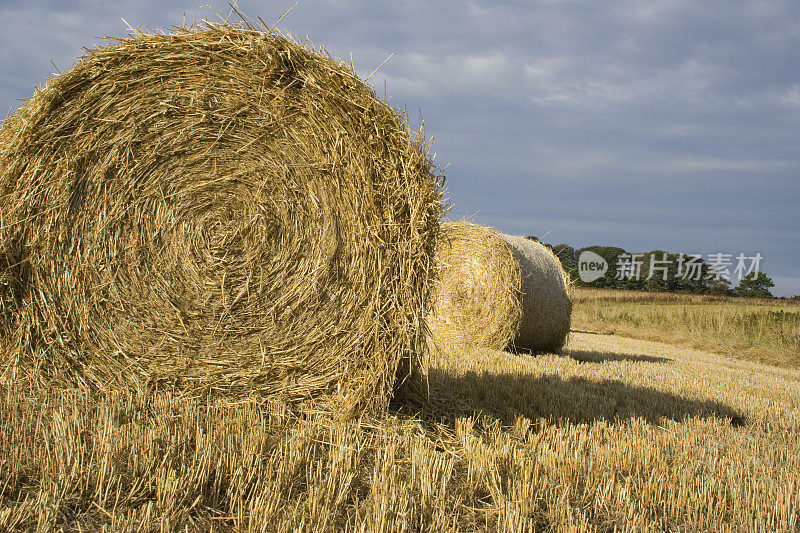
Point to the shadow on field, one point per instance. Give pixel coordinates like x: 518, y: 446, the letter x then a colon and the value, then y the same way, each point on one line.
x: 576, y: 400
x: 585, y: 356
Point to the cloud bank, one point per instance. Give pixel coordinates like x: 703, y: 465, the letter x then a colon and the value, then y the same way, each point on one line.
x: 647, y: 125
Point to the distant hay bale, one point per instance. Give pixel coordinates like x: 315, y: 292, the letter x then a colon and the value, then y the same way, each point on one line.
x: 476, y: 296
x: 496, y: 290
x: 220, y: 210
x: 546, y: 303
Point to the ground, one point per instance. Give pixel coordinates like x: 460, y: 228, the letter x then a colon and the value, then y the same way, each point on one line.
x: 614, y: 432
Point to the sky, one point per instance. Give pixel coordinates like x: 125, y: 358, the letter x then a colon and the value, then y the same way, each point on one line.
x: 649, y: 125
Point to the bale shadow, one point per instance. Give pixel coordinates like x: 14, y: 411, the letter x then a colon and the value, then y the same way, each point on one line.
x: 576, y: 400
x: 591, y: 356
x: 586, y: 331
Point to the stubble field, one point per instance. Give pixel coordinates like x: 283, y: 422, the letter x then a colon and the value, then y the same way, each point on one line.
x: 614, y: 433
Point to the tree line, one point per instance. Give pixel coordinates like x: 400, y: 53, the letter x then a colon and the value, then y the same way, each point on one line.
x: 662, y: 271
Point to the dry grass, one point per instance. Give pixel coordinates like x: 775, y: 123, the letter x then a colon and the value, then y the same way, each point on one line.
x: 754, y: 329
x: 591, y: 294
x: 219, y: 209
x: 616, y: 433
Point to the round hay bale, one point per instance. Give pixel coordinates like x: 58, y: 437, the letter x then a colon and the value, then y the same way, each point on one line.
x: 546, y: 303
x: 476, y: 298
x: 218, y: 209
x: 496, y: 290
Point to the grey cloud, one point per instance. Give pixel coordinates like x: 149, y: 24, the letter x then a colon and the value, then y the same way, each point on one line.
x: 669, y: 124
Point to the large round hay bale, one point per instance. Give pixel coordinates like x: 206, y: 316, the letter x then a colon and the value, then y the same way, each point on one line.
x: 476, y: 299
x: 546, y: 303
x: 496, y: 290
x: 218, y: 209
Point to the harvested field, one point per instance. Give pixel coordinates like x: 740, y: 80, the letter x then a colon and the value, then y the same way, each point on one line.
x: 614, y: 433
x: 763, y: 330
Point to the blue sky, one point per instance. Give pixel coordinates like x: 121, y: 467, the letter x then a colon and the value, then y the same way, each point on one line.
x: 664, y: 124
